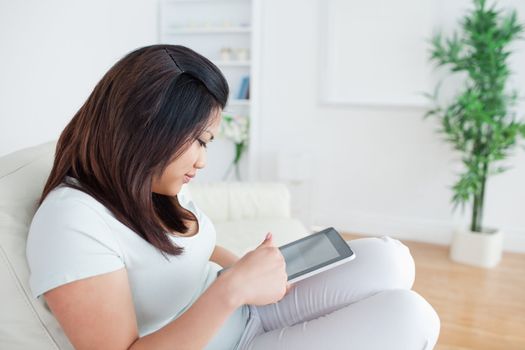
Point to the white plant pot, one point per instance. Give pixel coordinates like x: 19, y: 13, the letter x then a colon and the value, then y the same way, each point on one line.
x: 482, y: 249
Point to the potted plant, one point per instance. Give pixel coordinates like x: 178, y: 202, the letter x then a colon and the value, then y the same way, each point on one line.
x: 478, y: 121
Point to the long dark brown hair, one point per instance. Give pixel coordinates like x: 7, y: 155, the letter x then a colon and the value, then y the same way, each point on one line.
x: 144, y: 113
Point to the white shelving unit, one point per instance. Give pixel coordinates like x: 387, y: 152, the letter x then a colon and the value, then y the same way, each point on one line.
x: 211, y: 27
x: 232, y: 63
x: 209, y: 30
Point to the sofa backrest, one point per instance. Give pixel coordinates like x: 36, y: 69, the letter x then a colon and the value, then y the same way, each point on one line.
x: 25, y: 323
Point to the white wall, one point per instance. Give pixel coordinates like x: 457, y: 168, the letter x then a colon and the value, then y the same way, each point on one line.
x: 374, y: 170
x: 53, y: 53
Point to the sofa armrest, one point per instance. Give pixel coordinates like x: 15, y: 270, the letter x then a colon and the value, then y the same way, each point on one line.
x: 225, y: 201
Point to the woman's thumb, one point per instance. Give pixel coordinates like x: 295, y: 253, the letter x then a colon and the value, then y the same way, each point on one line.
x: 267, y: 239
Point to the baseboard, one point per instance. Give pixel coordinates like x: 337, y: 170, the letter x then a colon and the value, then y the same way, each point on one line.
x: 429, y: 231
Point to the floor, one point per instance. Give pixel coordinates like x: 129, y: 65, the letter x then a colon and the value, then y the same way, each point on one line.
x: 482, y: 309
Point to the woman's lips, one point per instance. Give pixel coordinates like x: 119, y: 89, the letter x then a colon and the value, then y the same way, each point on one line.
x: 187, y: 178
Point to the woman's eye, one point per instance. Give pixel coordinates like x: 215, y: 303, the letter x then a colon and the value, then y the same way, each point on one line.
x: 202, y: 143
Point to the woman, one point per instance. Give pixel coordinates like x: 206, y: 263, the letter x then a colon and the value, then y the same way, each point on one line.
x: 121, y: 255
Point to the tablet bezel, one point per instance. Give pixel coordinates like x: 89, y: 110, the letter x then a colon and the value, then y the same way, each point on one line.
x: 344, y: 251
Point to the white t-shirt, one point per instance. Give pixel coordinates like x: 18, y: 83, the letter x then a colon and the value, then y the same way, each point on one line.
x: 73, y: 236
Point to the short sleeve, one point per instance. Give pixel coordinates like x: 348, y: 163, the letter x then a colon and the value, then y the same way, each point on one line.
x: 69, y: 240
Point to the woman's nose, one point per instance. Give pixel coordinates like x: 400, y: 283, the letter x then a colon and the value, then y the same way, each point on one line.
x: 201, y: 161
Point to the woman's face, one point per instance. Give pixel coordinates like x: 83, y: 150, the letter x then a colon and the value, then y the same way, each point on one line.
x: 182, y: 169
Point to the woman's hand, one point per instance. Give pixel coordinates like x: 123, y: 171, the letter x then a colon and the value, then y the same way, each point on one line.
x: 259, y: 277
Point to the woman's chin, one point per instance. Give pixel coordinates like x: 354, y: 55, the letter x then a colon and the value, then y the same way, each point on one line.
x: 171, y: 191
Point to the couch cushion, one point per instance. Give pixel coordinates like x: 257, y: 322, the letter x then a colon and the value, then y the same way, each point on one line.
x: 212, y: 199
x: 226, y: 201
x: 26, y: 323
x: 258, y: 200
x: 240, y: 236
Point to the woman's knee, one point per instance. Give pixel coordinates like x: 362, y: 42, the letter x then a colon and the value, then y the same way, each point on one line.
x: 385, y: 259
x: 413, y: 318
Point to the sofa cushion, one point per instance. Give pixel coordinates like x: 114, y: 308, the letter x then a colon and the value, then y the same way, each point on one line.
x: 212, y: 199
x: 241, y: 236
x: 226, y: 201
x: 26, y: 323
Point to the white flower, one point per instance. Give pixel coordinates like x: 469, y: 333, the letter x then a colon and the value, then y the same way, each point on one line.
x: 235, y: 128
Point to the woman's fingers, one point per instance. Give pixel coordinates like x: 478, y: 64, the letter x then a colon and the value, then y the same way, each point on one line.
x: 289, y: 288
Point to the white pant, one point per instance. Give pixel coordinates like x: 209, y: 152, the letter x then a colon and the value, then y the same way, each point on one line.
x: 364, y: 304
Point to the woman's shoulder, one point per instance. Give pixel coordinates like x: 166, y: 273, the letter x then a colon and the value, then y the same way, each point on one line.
x: 65, y: 206
x: 69, y: 217
x: 66, y: 198
x: 69, y: 239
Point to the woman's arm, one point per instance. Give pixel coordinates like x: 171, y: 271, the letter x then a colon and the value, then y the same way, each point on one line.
x: 98, y: 313
x: 223, y: 257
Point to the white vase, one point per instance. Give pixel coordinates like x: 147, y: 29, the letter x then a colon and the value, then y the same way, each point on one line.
x: 482, y: 249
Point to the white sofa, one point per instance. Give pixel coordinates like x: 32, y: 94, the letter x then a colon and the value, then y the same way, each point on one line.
x: 242, y: 213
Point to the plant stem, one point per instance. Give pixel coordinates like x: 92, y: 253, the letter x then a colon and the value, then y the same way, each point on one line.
x: 474, y: 220
x: 237, y: 172
x: 482, y: 197
x: 477, y: 209
x: 228, y: 171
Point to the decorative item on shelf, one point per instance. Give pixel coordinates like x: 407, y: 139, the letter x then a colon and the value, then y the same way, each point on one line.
x: 226, y: 53
x: 244, y: 90
x: 236, y: 129
x: 242, y: 54
x: 479, y: 121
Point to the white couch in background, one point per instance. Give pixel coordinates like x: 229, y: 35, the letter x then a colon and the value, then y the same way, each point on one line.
x: 241, y: 212
x: 244, y: 212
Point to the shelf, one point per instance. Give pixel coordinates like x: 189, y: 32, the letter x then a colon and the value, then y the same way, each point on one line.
x: 232, y: 63
x: 209, y: 30
x: 225, y: 32
x: 201, y: 1
x: 237, y: 102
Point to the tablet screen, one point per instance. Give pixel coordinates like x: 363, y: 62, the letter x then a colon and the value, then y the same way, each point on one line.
x: 308, y: 253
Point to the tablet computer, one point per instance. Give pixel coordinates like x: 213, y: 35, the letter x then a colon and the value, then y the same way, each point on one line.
x: 315, y: 253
